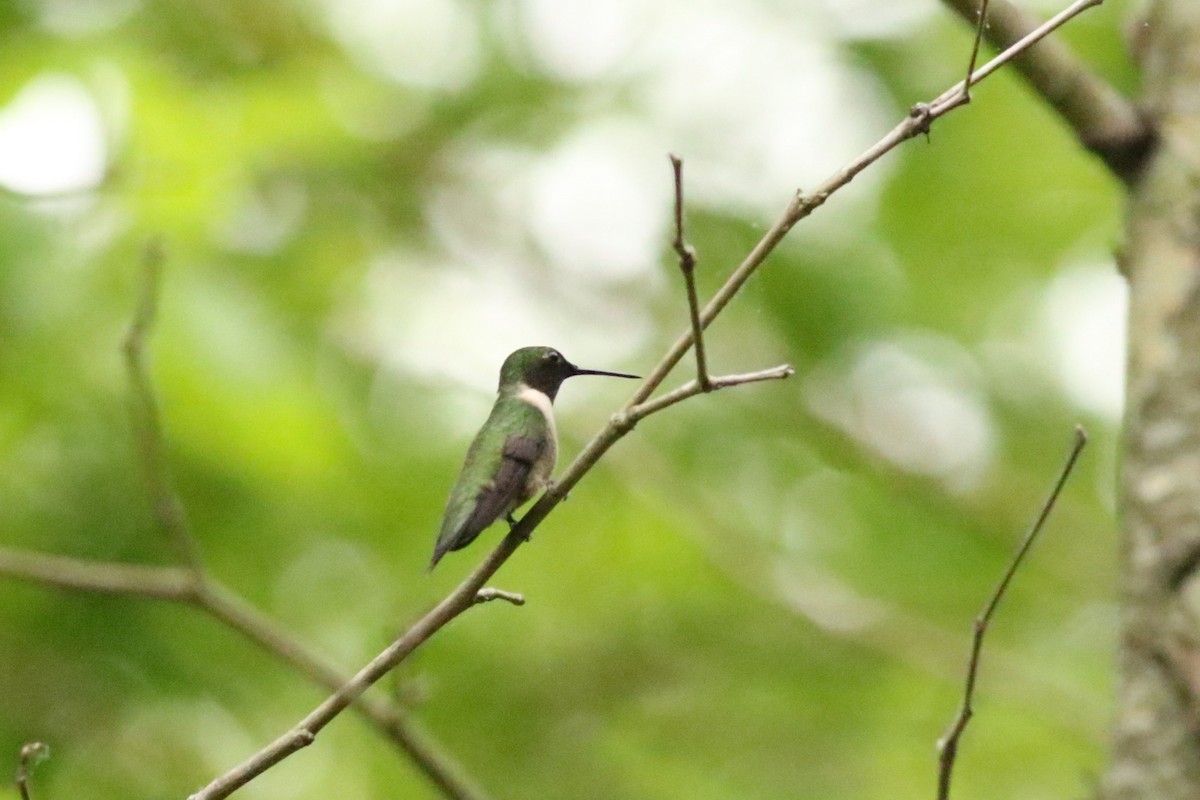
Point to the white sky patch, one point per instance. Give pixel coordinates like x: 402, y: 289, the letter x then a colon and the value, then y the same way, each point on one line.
x: 600, y: 202
x: 759, y: 107
x: 757, y: 100
x: 871, y: 19
x: 584, y: 41
x: 1084, y: 315
x: 52, y: 138
x: 915, y: 402
x: 264, y: 218
x: 594, y: 209
x: 79, y: 18
x: 431, y: 44
x: 455, y: 323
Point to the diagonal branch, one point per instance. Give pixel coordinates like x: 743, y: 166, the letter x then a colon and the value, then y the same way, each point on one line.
x: 948, y: 745
x: 464, y: 595
x: 687, y: 265
x: 1104, y: 120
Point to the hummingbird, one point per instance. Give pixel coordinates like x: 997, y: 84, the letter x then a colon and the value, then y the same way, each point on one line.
x: 514, y: 452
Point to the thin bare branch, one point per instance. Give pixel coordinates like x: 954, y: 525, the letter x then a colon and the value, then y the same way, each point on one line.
x: 1104, y: 120
x: 687, y: 265
x: 488, y: 594
x: 463, y: 596
x: 948, y: 745
x: 980, y: 26
x: 693, y: 388
x: 147, y: 427
x: 32, y: 754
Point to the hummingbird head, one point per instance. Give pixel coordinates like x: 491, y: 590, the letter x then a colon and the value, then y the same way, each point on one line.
x: 544, y: 369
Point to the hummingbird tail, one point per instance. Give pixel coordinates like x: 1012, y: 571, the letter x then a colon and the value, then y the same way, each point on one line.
x: 437, y: 556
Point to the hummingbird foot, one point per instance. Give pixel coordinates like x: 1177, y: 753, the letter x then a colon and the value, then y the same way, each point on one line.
x: 512, y: 523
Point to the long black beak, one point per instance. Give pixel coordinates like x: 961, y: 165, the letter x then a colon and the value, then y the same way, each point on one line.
x: 579, y: 371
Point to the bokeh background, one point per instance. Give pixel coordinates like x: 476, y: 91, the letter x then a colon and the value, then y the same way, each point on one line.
x: 365, y: 205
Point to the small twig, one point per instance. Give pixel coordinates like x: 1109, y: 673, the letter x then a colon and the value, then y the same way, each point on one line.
x: 980, y: 25
x: 32, y: 754
x: 948, y: 744
x: 693, y: 388
x: 488, y: 594
x: 147, y: 427
x: 687, y: 265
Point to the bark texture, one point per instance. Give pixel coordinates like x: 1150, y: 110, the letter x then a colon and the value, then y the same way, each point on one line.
x: 1156, y: 731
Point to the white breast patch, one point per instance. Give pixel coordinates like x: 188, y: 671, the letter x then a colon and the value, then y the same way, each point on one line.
x: 538, y: 400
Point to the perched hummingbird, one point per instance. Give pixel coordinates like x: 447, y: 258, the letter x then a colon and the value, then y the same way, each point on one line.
x: 514, y: 452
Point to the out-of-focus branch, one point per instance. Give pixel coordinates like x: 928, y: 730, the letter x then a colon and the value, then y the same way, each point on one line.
x: 147, y: 428
x: 163, y: 583
x: 948, y: 745
x: 1104, y: 120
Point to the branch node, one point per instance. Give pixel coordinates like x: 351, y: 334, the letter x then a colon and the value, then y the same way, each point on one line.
x: 922, y: 116
x: 623, y: 421
x: 490, y: 593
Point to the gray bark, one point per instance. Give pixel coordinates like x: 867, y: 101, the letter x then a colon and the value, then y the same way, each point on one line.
x: 1156, y: 728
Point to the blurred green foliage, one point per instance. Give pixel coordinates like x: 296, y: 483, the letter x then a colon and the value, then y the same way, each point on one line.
x: 764, y: 593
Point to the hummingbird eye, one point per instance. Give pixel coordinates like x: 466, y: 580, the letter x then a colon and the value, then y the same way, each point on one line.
x: 554, y: 357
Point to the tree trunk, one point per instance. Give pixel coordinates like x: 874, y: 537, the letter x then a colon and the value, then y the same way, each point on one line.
x: 1156, y: 731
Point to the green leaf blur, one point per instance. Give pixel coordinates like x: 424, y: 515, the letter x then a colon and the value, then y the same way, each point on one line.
x: 760, y: 594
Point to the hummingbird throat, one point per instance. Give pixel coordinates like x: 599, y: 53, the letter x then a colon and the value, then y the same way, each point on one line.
x: 539, y: 400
